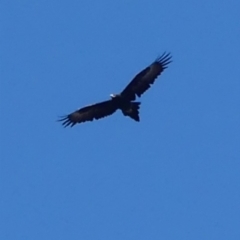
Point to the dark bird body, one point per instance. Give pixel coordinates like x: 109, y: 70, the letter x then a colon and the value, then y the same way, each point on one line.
x: 123, y: 101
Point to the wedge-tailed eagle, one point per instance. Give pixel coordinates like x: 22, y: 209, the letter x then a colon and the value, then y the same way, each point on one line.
x: 125, y: 101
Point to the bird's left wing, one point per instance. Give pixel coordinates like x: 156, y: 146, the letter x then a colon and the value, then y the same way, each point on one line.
x: 143, y: 80
x: 89, y: 113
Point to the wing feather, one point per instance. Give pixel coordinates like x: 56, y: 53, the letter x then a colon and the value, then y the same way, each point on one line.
x: 89, y: 113
x: 143, y: 80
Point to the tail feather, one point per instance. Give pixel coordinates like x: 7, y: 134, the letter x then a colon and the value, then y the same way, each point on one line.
x: 133, y: 111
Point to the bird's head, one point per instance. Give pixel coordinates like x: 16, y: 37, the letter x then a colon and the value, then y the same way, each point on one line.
x: 113, y: 95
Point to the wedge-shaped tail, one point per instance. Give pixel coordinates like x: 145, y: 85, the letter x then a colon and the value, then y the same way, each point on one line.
x: 132, y: 111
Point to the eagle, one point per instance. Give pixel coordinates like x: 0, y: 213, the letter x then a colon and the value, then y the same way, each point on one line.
x: 125, y: 101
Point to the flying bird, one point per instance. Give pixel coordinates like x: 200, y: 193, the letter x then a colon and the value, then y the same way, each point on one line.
x: 125, y: 101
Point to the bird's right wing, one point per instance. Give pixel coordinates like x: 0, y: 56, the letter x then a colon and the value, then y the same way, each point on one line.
x: 143, y: 80
x: 89, y: 113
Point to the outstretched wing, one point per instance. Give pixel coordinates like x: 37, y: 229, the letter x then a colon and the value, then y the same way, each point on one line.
x: 89, y: 113
x: 143, y: 80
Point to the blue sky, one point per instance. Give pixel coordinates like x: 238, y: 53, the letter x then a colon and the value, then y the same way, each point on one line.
x: 174, y: 175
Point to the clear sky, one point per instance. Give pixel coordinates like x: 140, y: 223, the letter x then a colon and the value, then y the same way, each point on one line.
x: 174, y: 175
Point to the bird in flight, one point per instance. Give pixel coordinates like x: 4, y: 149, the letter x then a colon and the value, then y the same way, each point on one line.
x: 125, y: 101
